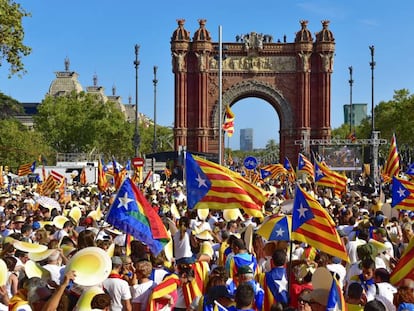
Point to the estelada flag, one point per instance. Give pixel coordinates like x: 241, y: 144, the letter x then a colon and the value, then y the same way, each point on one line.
x: 312, y: 224
x: 210, y: 184
x: 26, y: 169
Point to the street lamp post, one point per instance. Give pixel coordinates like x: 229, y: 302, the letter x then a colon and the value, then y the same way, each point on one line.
x: 137, y: 139
x: 374, y: 134
x: 154, y: 143
x: 350, y: 99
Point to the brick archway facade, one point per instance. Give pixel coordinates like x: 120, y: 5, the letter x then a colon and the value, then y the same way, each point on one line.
x: 295, y: 78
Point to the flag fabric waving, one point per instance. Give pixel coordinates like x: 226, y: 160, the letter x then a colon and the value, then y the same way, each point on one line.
x: 56, y: 176
x: 392, y: 165
x: 289, y: 168
x: 48, y: 186
x: 26, y: 169
x: 228, y: 125
x: 305, y: 166
x: 404, y: 268
x: 131, y: 213
x: 336, y: 300
x: 210, y: 184
x: 410, y: 170
x: 102, y: 183
x: 402, y: 194
x: 322, y: 177
x: 276, y: 170
x: 82, y: 178
x: 312, y: 224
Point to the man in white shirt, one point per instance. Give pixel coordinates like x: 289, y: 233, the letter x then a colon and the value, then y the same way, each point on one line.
x: 118, y: 288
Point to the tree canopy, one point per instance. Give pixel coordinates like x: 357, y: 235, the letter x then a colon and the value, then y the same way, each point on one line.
x: 80, y: 123
x: 12, y: 48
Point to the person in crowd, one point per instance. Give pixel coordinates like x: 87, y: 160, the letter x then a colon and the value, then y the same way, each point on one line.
x: 142, y: 285
x: 118, y: 288
x: 404, y: 298
x: 355, y: 298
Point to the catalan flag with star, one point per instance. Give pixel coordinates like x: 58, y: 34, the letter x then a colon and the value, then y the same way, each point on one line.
x: 132, y: 214
x: 305, y: 166
x: 210, y: 184
x: 312, y: 224
x: 402, y: 194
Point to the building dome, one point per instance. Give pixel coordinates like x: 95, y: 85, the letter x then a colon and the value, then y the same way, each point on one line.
x: 202, y: 34
x: 303, y: 35
x: 180, y: 34
x: 325, y: 35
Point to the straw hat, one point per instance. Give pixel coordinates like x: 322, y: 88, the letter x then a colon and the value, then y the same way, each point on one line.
x: 33, y: 269
x: 29, y: 247
x: 59, y: 221
x: 84, y: 302
x: 111, y: 250
x: 41, y: 256
x: 232, y: 214
x: 204, y: 235
x: 203, y: 213
x: 92, y: 265
x: 75, y: 213
x: 3, y: 273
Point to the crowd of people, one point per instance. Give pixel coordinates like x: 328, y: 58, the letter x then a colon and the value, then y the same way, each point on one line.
x: 215, y: 260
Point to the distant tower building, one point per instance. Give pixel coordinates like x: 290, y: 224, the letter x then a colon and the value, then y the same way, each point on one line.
x: 246, y: 139
x: 358, y: 113
x: 65, y: 82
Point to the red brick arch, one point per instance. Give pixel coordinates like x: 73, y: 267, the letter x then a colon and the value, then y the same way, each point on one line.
x: 294, y: 78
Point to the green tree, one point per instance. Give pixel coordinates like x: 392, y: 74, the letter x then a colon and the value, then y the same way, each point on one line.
x: 81, y: 123
x: 20, y: 145
x: 12, y: 49
x: 9, y: 107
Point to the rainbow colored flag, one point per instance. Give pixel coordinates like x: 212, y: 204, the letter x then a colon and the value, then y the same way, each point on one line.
x: 312, y: 224
x: 210, y: 184
x: 132, y: 213
x: 402, y: 194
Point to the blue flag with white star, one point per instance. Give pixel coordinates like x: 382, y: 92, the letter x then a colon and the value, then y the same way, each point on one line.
x: 410, y: 170
x: 264, y: 173
x: 198, y: 184
x: 302, y: 212
x: 132, y: 214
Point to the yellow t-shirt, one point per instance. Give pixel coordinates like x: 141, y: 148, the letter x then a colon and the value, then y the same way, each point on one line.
x: 352, y: 307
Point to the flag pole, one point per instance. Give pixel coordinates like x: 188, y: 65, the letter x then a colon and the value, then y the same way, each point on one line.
x: 220, y: 99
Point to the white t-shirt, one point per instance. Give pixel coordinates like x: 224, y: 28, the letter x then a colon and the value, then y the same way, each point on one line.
x: 141, y: 292
x: 118, y: 290
x: 182, y: 248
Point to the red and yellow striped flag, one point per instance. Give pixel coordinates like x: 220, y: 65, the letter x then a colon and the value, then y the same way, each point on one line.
x: 26, y: 169
x: 48, y: 186
x: 209, y: 183
x: 392, y: 166
x: 228, y: 125
x: 404, y: 268
x: 312, y: 224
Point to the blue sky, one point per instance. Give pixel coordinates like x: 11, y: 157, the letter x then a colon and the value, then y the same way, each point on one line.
x: 99, y: 37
